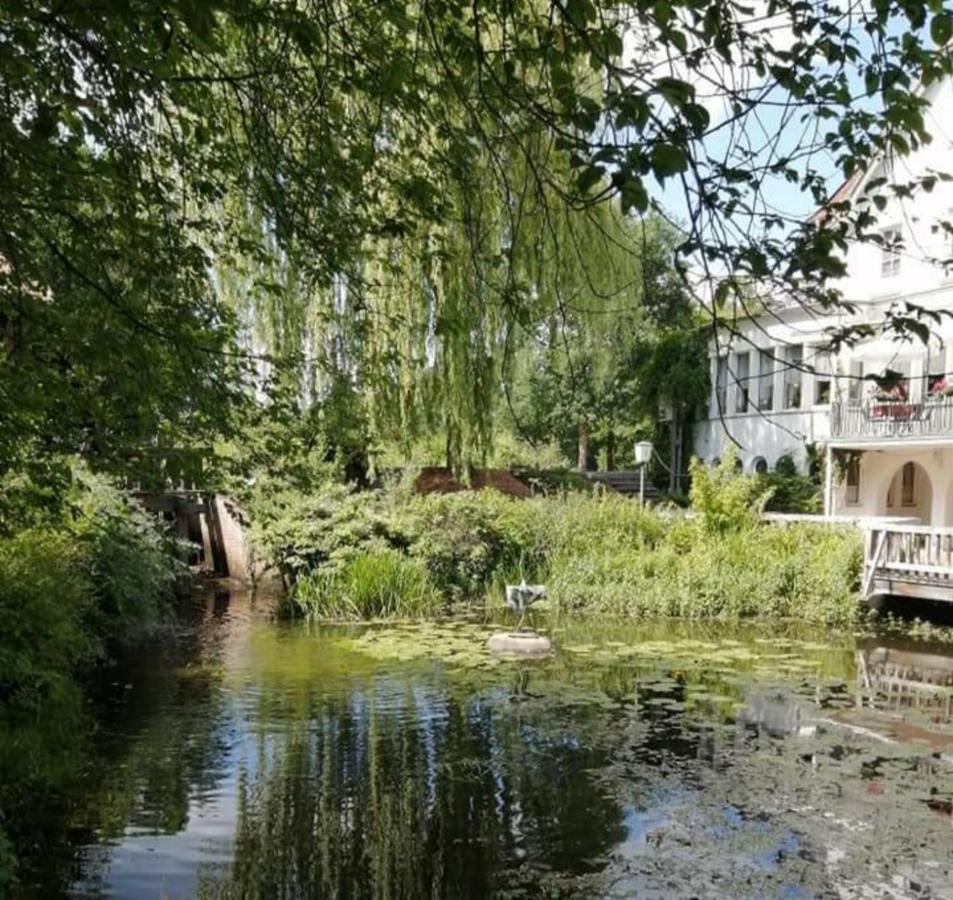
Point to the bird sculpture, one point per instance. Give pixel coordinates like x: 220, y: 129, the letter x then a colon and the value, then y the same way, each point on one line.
x: 519, y: 598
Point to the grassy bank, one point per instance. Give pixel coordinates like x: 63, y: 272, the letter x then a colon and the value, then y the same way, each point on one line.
x: 360, y: 555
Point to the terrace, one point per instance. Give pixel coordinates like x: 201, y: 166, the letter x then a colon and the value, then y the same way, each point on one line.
x: 878, y: 419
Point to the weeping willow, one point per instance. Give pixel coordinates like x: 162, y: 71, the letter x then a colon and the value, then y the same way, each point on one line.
x: 434, y: 327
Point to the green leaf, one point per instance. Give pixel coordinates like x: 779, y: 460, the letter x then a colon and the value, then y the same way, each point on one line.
x: 667, y: 159
x: 634, y: 195
x: 941, y: 26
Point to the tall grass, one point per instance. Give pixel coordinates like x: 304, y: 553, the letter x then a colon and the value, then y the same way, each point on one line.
x: 370, y: 585
x: 603, y: 554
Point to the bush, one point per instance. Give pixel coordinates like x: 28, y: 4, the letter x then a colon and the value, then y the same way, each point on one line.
x: 93, y: 569
x: 131, y: 563
x: 790, y: 493
x: 366, y: 554
x: 45, y: 602
x: 368, y: 586
x: 469, y: 540
x: 723, y: 499
x: 298, y: 533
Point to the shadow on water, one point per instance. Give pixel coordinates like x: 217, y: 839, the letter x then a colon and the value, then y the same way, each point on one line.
x: 236, y: 757
x: 937, y: 612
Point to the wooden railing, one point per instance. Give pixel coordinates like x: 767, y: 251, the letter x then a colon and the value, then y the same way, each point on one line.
x: 909, y: 555
x: 875, y: 419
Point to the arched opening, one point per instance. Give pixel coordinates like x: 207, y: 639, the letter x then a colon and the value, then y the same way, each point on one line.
x: 909, y: 493
x: 760, y: 466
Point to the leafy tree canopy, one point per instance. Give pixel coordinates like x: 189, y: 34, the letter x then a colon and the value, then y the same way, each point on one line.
x: 371, y: 171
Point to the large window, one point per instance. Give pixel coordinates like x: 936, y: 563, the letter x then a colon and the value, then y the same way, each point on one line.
x: 742, y: 381
x: 890, y: 253
x: 794, y: 359
x: 855, y: 381
x: 853, y: 480
x: 822, y: 378
x: 766, y: 380
x: 721, y: 385
x: 908, y: 484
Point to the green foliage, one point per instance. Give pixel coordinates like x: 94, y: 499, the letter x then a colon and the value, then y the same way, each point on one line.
x: 725, y: 500
x: 786, y: 465
x: 299, y: 532
x: 129, y: 561
x: 92, y: 570
x: 45, y: 604
x: 370, y: 585
x: 596, y: 553
x: 794, y: 571
x: 468, y: 540
x: 790, y: 493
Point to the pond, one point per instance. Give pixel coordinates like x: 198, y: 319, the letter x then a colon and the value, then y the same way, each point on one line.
x: 237, y: 757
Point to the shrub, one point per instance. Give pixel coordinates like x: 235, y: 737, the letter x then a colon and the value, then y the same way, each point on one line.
x: 723, y: 499
x: 790, y: 493
x: 45, y: 601
x: 596, y: 553
x: 131, y: 562
x: 298, y: 533
x: 467, y: 540
x: 785, y: 465
x: 368, y: 586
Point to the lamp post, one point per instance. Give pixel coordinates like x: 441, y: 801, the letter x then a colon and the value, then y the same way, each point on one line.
x: 643, y: 456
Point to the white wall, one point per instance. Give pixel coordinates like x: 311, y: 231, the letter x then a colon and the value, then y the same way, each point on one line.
x: 921, y: 279
x: 878, y: 468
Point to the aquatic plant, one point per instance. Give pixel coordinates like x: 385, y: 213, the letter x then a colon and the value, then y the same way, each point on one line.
x: 367, y: 586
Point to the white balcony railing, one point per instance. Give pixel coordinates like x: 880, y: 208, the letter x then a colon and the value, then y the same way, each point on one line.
x: 879, y: 419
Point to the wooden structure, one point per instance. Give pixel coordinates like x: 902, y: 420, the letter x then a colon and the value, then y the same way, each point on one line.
x: 908, y: 561
x: 623, y: 482
x: 902, y: 677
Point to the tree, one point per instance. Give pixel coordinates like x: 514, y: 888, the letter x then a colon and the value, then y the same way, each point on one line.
x: 141, y: 141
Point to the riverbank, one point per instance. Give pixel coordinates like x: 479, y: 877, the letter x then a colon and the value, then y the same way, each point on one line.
x: 362, y: 555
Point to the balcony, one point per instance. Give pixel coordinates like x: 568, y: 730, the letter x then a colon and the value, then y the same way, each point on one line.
x: 875, y: 420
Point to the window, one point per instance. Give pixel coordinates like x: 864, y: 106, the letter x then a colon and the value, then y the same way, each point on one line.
x: 908, y: 485
x: 766, y: 380
x: 793, y: 357
x: 742, y: 375
x: 853, y: 480
x: 822, y: 378
x: 855, y: 381
x: 890, y: 253
x: 935, y: 383
x: 721, y: 385
x: 761, y: 466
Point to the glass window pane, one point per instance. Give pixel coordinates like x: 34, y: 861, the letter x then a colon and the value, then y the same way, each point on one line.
x: 742, y: 381
x: 766, y: 380
x: 793, y: 357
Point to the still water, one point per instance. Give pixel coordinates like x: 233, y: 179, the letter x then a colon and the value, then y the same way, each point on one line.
x: 236, y: 757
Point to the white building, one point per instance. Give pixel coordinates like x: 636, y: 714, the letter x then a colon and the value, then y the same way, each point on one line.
x: 887, y: 455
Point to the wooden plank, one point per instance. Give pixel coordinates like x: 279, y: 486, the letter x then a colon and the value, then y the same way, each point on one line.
x: 900, y: 588
x: 913, y: 529
x: 915, y: 567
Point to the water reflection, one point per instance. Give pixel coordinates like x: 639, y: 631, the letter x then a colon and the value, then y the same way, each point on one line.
x: 904, y: 674
x: 237, y: 758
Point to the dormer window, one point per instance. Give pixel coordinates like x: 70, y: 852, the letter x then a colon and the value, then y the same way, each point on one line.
x: 890, y: 252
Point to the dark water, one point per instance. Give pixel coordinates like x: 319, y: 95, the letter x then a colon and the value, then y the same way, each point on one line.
x: 239, y: 758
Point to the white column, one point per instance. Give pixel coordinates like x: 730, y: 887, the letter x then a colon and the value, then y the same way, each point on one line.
x: 829, y: 482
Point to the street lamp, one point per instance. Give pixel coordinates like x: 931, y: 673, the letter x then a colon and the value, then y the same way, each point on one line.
x: 643, y: 456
